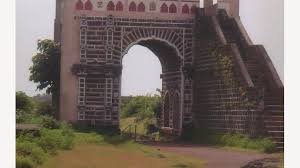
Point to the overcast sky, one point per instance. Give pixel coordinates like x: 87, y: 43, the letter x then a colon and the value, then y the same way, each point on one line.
x: 263, y: 20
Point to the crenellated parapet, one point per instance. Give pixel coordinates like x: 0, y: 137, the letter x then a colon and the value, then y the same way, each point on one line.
x: 186, y: 7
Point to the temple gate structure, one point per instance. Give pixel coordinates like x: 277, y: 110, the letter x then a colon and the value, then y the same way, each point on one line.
x: 213, y: 76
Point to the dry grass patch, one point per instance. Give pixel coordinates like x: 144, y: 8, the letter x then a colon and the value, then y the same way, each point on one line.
x: 126, y: 155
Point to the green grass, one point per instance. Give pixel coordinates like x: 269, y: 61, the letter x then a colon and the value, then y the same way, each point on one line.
x: 125, y: 155
x: 24, y: 162
x: 229, y: 140
x: 121, y: 153
x: 32, y: 151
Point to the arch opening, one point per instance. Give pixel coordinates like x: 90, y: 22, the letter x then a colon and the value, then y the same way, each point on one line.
x: 141, y: 71
x: 166, y: 53
x: 170, y: 77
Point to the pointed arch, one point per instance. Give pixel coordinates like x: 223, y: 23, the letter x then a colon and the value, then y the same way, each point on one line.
x: 110, y: 6
x: 185, y: 9
x: 141, y: 7
x: 79, y: 5
x: 193, y: 9
x: 172, y: 8
x: 88, y: 5
x: 176, y: 111
x: 119, y: 6
x: 164, y: 8
x: 132, y: 6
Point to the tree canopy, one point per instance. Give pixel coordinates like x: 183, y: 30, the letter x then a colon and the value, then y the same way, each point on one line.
x: 141, y: 106
x: 46, y: 66
x: 23, y: 102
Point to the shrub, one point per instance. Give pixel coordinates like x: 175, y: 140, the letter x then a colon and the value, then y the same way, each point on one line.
x: 46, y: 109
x: 141, y: 106
x: 68, y: 136
x: 52, y: 140
x: 23, y: 102
x: 24, y: 162
x: 32, y: 151
x: 50, y: 122
x: 20, y: 118
x: 267, y: 145
x: 204, y: 136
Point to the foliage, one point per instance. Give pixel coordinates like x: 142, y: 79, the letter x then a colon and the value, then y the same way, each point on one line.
x: 49, y: 122
x: 46, y: 66
x: 141, y: 106
x: 24, y: 162
x: 45, y: 108
x: 224, y: 69
x: 43, y: 98
x: 24, y: 103
x: 32, y: 110
x: 228, y: 84
x: 205, y: 136
x: 30, y: 150
x: 52, y: 140
x: 29, y: 118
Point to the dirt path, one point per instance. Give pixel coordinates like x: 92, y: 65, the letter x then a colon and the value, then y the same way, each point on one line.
x: 215, y: 157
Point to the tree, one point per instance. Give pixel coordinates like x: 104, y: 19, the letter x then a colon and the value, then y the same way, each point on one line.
x: 23, y: 102
x: 46, y: 68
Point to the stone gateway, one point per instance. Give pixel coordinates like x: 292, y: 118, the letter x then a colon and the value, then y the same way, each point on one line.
x: 212, y: 74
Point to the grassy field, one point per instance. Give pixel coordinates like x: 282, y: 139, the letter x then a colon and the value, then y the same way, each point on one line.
x: 93, y: 151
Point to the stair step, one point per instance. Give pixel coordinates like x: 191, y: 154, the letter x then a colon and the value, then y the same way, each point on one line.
x: 274, y: 107
x: 276, y: 133
x: 274, y: 123
x: 274, y: 128
x: 274, y: 118
x: 277, y: 139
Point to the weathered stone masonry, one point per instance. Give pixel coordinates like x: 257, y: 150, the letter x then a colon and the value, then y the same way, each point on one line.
x: 103, y: 42
x: 212, y: 74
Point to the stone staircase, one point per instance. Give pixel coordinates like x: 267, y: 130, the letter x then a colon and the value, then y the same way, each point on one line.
x: 273, y: 116
x: 255, y: 72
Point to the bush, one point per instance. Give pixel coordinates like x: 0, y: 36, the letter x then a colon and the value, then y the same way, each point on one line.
x: 52, y: 140
x: 24, y: 102
x: 141, y: 106
x: 45, y: 109
x: 68, y: 136
x: 50, y: 123
x: 204, y: 136
x: 32, y: 151
x: 24, y: 162
x: 20, y: 116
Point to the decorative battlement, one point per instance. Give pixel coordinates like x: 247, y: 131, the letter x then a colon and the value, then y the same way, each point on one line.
x: 185, y: 7
x: 153, y: 6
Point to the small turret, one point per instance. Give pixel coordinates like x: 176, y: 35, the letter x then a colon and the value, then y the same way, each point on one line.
x: 231, y: 6
x: 57, y: 21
